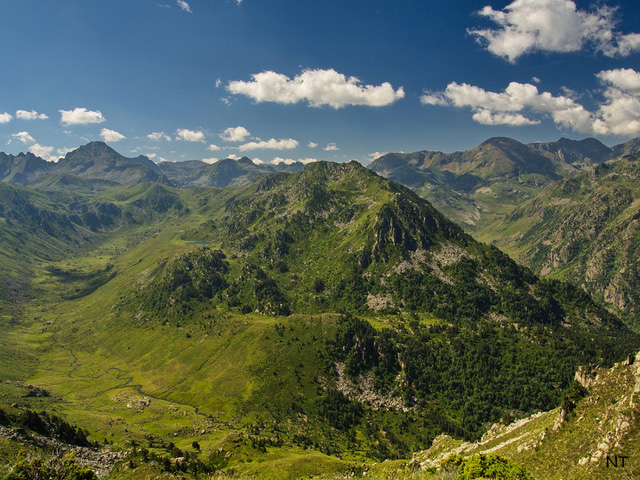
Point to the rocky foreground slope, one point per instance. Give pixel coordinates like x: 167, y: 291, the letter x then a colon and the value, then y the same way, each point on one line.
x: 592, y: 435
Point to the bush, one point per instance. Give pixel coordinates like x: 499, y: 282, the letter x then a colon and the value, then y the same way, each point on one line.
x: 480, y: 467
x: 52, y: 468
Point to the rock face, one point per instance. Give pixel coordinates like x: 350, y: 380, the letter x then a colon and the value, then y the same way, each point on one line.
x: 364, y: 391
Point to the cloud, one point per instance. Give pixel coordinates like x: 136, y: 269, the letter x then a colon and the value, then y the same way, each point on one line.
x: 620, y: 113
x: 111, y: 135
x: 312, y: 145
x: 290, y: 161
x: 286, y: 161
x: 375, y: 155
x: 211, y: 160
x: 522, y: 104
x: 32, y: 115
x: 5, y: 117
x: 331, y: 147
x: 156, y: 158
x: 627, y: 44
x: 43, y: 152
x: 80, y: 116
x: 213, y: 148
x: 189, y: 135
x: 272, y: 144
x: 23, y: 137
x: 63, y: 151
x: 506, y: 108
x: 625, y: 79
x: 235, y: 134
x: 487, y: 117
x: 184, y: 6
x: 528, y: 26
x: 433, y: 99
x: 317, y: 87
x: 157, y: 136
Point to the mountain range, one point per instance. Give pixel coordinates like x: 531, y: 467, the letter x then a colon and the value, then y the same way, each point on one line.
x: 301, y: 323
x: 476, y: 186
x: 98, y: 161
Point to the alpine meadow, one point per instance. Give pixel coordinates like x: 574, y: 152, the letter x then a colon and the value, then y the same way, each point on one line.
x: 319, y: 240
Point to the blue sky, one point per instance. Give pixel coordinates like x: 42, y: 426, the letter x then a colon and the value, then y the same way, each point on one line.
x: 318, y: 80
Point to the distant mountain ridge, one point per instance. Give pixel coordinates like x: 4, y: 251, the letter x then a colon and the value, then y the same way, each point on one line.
x: 474, y: 186
x: 96, y: 160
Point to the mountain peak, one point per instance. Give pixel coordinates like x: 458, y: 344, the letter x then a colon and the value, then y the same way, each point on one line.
x: 500, y: 141
x: 92, y: 150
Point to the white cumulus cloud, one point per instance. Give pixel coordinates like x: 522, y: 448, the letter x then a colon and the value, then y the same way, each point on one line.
x: 211, y: 160
x: 63, y: 151
x: 272, y: 144
x: 317, y: 87
x: 487, y: 117
x: 625, y: 79
x: 189, y: 135
x: 312, y: 145
x: 43, y: 152
x: 286, y: 161
x: 527, y: 26
x: 23, y: 137
x: 111, y: 135
x: 375, y: 155
x: 157, y: 136
x: 523, y: 104
x: 620, y: 113
x: 184, y: 6
x: 213, y: 148
x: 509, y: 107
x: 80, y: 116
x: 331, y: 147
x: 30, y: 115
x: 5, y: 117
x: 290, y: 161
x: 235, y: 134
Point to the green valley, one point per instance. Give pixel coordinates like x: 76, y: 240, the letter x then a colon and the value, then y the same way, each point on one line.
x: 305, y: 324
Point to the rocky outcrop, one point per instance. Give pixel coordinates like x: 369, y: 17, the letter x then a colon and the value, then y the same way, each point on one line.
x: 101, y: 461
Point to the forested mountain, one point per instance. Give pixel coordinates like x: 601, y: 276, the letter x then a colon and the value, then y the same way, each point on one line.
x: 584, y: 229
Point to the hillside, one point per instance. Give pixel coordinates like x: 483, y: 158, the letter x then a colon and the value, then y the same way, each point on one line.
x: 300, y: 323
x: 593, y: 435
x: 583, y: 229
x: 477, y: 186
